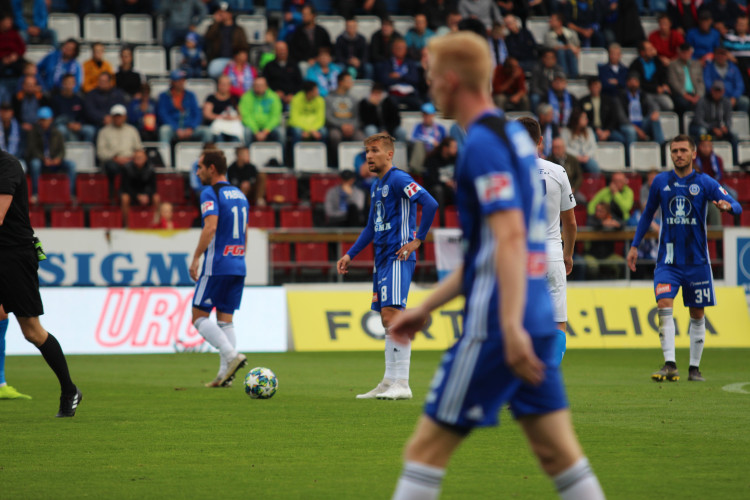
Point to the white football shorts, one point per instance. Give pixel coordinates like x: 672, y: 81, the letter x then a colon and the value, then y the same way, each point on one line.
x: 557, y: 284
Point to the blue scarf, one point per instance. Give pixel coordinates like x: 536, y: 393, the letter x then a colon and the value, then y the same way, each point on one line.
x: 635, y: 112
x: 716, y: 171
x: 62, y: 68
x: 13, y: 140
x: 547, y: 140
x: 649, y: 68
x: 247, y: 77
x: 560, y: 118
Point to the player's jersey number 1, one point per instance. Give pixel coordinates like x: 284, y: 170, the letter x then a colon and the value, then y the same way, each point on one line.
x: 236, y: 224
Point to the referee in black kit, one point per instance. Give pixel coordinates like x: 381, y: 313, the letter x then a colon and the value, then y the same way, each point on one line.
x: 19, y: 282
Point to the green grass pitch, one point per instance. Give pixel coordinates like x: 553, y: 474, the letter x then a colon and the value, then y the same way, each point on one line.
x: 148, y: 429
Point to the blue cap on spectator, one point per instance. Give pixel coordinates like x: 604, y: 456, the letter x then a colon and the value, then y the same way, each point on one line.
x: 177, y: 74
x: 428, y: 108
x: 192, y: 37
x: 44, y: 113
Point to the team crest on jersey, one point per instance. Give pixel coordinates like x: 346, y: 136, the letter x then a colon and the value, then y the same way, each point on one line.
x: 495, y: 186
x: 694, y: 189
x: 385, y: 190
x: 411, y: 189
x: 663, y: 288
x: 680, y: 208
x: 207, y: 206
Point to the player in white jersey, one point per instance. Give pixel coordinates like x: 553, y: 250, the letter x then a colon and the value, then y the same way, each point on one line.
x: 560, y: 202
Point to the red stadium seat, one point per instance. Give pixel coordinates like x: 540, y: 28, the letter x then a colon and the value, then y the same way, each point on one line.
x: 140, y: 218
x: 281, y: 189
x: 37, y: 218
x: 54, y: 189
x: 451, y: 217
x: 365, y: 258
x: 296, y: 217
x: 262, y: 217
x: 745, y: 218
x: 171, y: 188
x: 281, y: 252
x: 311, y: 252
x: 319, y: 186
x: 712, y: 249
x: 592, y: 183
x: 727, y: 219
x: 429, y: 252
x: 92, y: 189
x: 183, y: 217
x: 581, y: 215
x: 105, y: 217
x: 64, y: 217
x: 741, y: 184
x: 635, y: 181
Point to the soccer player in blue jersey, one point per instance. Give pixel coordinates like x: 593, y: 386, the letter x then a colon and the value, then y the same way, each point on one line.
x: 224, y: 209
x: 683, y: 196
x: 507, y: 350
x: 391, y: 227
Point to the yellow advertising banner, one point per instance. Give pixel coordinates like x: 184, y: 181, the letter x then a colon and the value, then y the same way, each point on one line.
x: 597, y: 318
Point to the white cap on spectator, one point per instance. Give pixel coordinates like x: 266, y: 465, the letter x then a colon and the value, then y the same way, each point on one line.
x: 118, y: 109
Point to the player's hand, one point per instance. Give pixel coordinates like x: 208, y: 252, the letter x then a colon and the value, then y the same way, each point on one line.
x: 194, y: 266
x: 632, y: 258
x: 406, y: 325
x: 520, y: 356
x: 723, y: 205
x: 405, y: 251
x: 342, y: 266
x: 568, y: 264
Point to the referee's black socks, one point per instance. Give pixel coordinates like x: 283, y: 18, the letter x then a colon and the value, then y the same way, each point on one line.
x: 55, y: 358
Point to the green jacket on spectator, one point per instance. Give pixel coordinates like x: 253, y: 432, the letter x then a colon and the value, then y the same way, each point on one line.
x: 307, y: 115
x: 260, y: 113
x: 623, y: 199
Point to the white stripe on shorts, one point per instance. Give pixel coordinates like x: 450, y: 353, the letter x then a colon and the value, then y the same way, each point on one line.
x: 457, y: 384
x: 201, y: 290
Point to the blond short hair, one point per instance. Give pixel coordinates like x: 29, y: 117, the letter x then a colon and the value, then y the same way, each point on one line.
x: 386, y: 140
x: 466, y: 54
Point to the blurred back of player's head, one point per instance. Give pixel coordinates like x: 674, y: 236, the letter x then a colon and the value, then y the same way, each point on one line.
x: 464, y: 53
x: 532, y: 127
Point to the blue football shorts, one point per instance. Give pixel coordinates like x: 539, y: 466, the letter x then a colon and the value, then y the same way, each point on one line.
x: 473, y: 382
x: 223, y: 292
x: 697, y: 284
x: 390, y: 283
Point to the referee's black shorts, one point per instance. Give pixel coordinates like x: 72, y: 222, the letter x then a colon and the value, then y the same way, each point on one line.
x: 19, y: 281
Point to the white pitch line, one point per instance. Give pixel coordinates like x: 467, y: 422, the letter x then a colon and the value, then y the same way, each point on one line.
x: 738, y: 387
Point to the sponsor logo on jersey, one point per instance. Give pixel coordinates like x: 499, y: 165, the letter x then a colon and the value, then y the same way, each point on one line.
x: 666, y: 188
x: 385, y: 191
x: 207, y: 206
x: 723, y: 191
x: 380, y: 225
x: 374, y: 296
x: 680, y: 209
x: 537, y: 264
x: 411, y: 189
x: 663, y: 288
x: 496, y: 186
x: 694, y: 189
x: 234, y: 250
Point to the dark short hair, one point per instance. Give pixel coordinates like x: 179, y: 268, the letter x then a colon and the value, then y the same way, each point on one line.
x: 378, y: 87
x: 341, y: 76
x: 308, y: 85
x: 532, y: 127
x: 683, y: 138
x: 216, y: 158
x: 592, y: 80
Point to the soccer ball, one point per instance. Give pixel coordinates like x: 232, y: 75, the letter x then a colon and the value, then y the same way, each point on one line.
x: 261, y: 383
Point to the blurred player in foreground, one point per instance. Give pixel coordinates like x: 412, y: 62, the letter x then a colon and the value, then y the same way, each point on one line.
x: 683, y: 196
x: 560, y: 202
x: 391, y: 228
x: 224, y: 209
x: 507, y: 350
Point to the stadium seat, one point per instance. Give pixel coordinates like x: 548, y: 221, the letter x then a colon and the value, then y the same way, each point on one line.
x: 35, y: 53
x: 590, y: 59
x: 319, y: 186
x: 745, y: 218
x: 82, y: 154
x: 628, y: 56
x: 100, y: 28
x: 409, y: 120
x: 400, y: 156
x: 92, y: 189
x: 37, y: 218
x: 84, y: 53
x: 367, y: 26
x: 743, y: 153
x: 365, y: 258
x: 334, y: 25
x: 255, y: 28
x: 65, y: 25
x: 402, y: 24
x: 158, y: 87
x: 723, y: 149
x: 281, y: 256
x: 263, y: 152
x: 741, y: 184
x: 644, y: 156
x: 712, y: 250
x: 151, y: 61
x: 670, y: 124
x: 312, y: 253
x: 281, y: 189
x: 428, y: 253
x: 687, y: 117
x: 310, y: 157
x: 105, y: 217
x: 635, y: 181
x: 54, y: 189
x: 140, y: 218
x: 262, y: 217
x: 538, y: 26
x: 591, y: 184
x: 186, y: 154
x: 610, y: 156
x: 230, y: 150
x: 183, y: 217
x: 360, y: 89
x: 171, y: 188
x: 581, y: 215
x: 324, y: 7
x: 136, y: 29
x: 296, y: 217
x: 578, y: 88
x: 201, y: 87
x: 203, y: 25
x: 649, y: 24
x: 67, y: 217
x: 175, y: 57
x: 451, y: 217
x: 741, y: 125
x: 348, y: 151
x: 727, y: 219
x: 163, y: 149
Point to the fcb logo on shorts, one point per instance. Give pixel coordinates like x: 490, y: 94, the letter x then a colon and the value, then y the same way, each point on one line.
x: 411, y: 189
x: 663, y: 288
x: 694, y: 189
x: 207, y: 206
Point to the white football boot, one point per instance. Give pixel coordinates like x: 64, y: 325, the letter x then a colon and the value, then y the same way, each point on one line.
x: 398, y: 390
x: 381, y: 387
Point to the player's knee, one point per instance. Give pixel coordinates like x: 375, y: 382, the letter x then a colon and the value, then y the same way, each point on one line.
x: 552, y: 460
x: 32, y: 330
x: 697, y: 313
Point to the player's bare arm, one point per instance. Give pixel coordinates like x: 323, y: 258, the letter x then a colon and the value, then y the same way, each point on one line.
x: 632, y: 258
x: 5, y: 201
x: 405, y: 251
x: 569, y: 231
x: 207, y: 234
x: 508, y: 229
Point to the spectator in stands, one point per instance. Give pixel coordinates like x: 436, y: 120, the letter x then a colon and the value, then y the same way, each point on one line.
x: 307, y: 115
x: 283, y: 75
x: 570, y: 163
x: 324, y: 72
x: 178, y: 113
x: 241, y: 74
x: 439, y: 167
x: 485, y: 11
x: 561, y: 100
x: 292, y: 17
x: 580, y: 140
x: 401, y: 75
x: 142, y: 114
x: 120, y: 7
x: 46, y: 153
x: 738, y: 44
x: 564, y: 41
x: 713, y: 115
x: 585, y: 17
x: 379, y: 112
x: 342, y: 116
x: 724, y: 70
x: 550, y: 129
x: 541, y: 76
x: 351, y: 51
x: 12, y: 48
x: 613, y: 73
x: 127, y: 79
x: 222, y: 40
x: 260, y: 111
x: 653, y: 76
x: 520, y: 43
x: 67, y: 107
x: 617, y: 196
x: 621, y: 23
x: 666, y: 40
x: 381, y: 42
x: 99, y: 101
x: 449, y: 26
x: 601, y: 259
x: 180, y: 17
x: 725, y: 14
x: 163, y: 218
x: 685, y: 77
x: 606, y: 115
x: 29, y: 69
x: 348, y: 8
x: 243, y: 174
x: 27, y: 102
x: 31, y: 18
x: 498, y: 48
x: 95, y: 67
x: 138, y: 186
x: 509, y: 89
x: 711, y: 164
x: 425, y: 137
x: 307, y: 40
x: 684, y: 14
x: 193, y: 61
x: 12, y: 138
x: 345, y: 204
x: 116, y: 144
x: 704, y: 38
x: 641, y: 112
x: 417, y: 36
x: 221, y: 115
x: 58, y: 63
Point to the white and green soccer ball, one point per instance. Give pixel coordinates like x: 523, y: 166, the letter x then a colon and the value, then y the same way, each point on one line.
x: 261, y: 383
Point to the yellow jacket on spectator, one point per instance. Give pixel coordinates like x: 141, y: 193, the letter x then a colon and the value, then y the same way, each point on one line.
x: 91, y: 72
x: 307, y: 115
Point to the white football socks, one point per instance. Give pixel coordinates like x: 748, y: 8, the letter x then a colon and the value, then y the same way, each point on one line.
x: 419, y: 482
x: 228, y: 328
x: 402, y: 356
x: 578, y: 482
x: 216, y: 337
x: 390, y: 359
x: 697, y: 333
x: 666, y: 333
